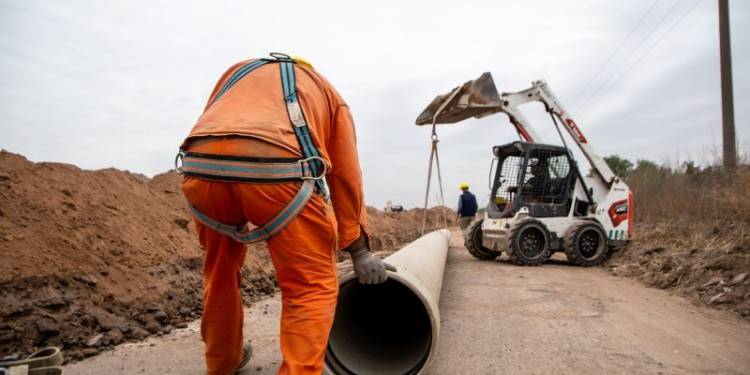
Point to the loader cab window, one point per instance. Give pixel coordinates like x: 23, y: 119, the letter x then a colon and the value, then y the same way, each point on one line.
x: 559, y: 167
x: 535, y: 179
x: 507, y: 179
x: 547, y: 183
x: 538, y: 177
x: 546, y: 177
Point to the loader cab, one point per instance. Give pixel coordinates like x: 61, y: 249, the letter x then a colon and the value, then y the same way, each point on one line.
x: 537, y: 176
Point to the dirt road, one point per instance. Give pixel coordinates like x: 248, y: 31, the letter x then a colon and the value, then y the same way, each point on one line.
x: 501, y: 319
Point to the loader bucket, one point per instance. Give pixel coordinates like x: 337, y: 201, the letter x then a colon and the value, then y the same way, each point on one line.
x: 476, y: 98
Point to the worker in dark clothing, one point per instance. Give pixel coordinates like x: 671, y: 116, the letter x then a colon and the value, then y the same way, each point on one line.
x: 467, y: 206
x: 536, y: 187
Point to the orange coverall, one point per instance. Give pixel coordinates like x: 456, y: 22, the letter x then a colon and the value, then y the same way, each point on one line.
x: 251, y: 120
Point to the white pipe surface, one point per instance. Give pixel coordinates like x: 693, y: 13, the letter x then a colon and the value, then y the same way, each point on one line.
x: 394, y: 327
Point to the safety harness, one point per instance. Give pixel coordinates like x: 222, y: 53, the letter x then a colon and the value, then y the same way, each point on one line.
x: 309, y: 170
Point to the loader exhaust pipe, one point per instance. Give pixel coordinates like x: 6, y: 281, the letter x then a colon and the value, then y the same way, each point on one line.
x: 391, y: 328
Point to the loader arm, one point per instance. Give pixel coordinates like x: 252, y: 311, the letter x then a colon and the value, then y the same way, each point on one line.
x: 540, y: 92
x: 479, y: 98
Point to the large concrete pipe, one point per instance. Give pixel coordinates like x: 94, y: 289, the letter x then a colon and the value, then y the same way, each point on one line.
x: 391, y: 328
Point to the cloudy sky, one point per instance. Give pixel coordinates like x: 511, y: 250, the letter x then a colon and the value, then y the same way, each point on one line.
x: 119, y: 84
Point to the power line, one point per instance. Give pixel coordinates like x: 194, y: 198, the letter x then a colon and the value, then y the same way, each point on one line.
x: 612, y: 55
x: 659, y: 40
x: 647, y: 52
x: 626, y: 60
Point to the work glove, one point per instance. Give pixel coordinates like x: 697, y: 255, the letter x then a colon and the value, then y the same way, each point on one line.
x: 369, y: 269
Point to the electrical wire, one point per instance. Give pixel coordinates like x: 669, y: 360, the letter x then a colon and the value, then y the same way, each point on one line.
x: 583, y: 107
x: 614, y: 52
x: 651, y: 48
x: 646, y: 53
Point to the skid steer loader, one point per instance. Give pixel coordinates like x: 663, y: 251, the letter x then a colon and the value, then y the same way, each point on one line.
x: 540, y: 202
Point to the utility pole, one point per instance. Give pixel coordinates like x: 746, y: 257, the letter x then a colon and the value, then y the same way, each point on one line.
x: 727, y: 97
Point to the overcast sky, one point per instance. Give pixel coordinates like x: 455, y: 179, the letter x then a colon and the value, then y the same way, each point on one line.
x: 120, y: 83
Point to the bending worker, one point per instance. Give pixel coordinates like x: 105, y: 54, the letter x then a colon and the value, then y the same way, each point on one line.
x: 467, y: 206
x: 273, y: 138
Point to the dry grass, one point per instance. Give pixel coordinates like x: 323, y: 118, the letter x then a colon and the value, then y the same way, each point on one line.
x: 711, y: 196
x: 692, y: 235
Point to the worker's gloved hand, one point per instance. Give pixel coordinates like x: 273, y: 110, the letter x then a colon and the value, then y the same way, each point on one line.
x: 369, y: 269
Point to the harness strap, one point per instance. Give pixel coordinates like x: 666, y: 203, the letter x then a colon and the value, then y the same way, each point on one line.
x: 237, y: 76
x: 297, y: 117
x: 247, y: 169
x: 246, y: 234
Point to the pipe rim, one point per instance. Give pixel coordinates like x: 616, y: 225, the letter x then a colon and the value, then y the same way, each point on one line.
x: 434, y: 314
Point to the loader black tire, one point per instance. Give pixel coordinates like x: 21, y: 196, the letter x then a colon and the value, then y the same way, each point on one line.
x: 473, y: 242
x: 529, y: 242
x: 586, y: 244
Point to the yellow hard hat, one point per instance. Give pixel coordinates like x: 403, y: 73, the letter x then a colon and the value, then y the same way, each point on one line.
x: 464, y: 185
x: 303, y: 61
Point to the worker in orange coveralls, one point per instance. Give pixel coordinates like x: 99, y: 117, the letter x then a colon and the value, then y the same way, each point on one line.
x: 246, y: 162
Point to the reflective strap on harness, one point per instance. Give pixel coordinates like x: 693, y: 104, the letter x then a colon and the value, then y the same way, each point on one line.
x: 297, y: 117
x: 238, y: 75
x: 247, y: 169
x: 241, y: 233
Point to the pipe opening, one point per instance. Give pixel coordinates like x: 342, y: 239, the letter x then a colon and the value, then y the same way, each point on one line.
x: 379, y: 329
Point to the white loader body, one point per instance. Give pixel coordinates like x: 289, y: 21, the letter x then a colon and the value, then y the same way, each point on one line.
x: 540, y: 202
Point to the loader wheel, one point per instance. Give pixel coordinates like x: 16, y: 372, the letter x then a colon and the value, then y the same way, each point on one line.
x: 586, y: 244
x: 528, y: 243
x: 473, y: 242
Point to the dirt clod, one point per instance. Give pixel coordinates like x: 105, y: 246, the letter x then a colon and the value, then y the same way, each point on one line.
x: 94, y: 340
x: 47, y: 327
x: 182, y: 223
x: 85, y: 279
x: 712, y: 282
x: 115, y: 336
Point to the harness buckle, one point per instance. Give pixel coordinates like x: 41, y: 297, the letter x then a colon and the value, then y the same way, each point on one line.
x: 308, y: 160
x: 178, y: 161
x: 280, y: 56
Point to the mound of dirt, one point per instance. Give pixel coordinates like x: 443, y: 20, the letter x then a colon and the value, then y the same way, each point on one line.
x: 709, y: 264
x: 392, y: 230
x: 95, y: 258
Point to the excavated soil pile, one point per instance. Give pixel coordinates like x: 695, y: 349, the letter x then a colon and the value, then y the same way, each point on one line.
x: 91, y: 259
x: 706, y: 263
x: 392, y: 230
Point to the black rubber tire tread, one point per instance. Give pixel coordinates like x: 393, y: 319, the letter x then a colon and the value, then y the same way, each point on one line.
x: 571, y: 244
x: 473, y: 242
x: 513, y: 249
